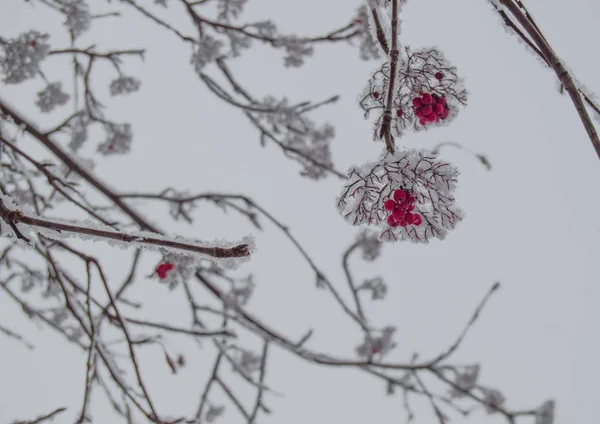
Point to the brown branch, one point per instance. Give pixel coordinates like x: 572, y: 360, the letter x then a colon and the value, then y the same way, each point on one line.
x: 43, y: 417
x: 386, y: 128
x: 380, y: 34
x: 555, y: 63
x: 17, y: 217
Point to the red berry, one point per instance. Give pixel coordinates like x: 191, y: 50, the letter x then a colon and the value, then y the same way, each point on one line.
x: 375, y: 95
x: 410, y: 218
x: 444, y: 114
x: 416, y: 102
x: 417, y: 220
x: 438, y: 109
x: 33, y: 43
x: 439, y: 75
x: 426, y: 110
x: 399, y: 214
x: 426, y: 99
x: 392, y: 221
x: 430, y: 118
x: 389, y: 205
x: 410, y: 208
x: 442, y: 100
x: 399, y: 195
x: 169, y: 266
x: 422, y: 121
x: 399, y: 113
x: 357, y: 21
x: 402, y: 223
x: 419, y: 113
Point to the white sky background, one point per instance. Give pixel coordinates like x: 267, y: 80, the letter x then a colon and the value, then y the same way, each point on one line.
x: 531, y: 223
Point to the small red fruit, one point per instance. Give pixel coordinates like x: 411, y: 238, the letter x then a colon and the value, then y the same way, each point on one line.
x: 399, y: 214
x: 427, y: 110
x: 416, y: 102
x: 399, y: 113
x: 442, y: 101
x: 439, y: 108
x: 375, y: 95
x: 422, y: 121
x: 426, y: 99
x: 399, y: 195
x: 417, y: 220
x: 439, y: 76
x: 392, y: 221
x: 389, y: 205
x: 444, y: 114
x: 33, y: 43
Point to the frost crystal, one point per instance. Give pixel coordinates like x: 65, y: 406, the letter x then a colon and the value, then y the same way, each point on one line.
x: 296, y: 51
x: 377, y: 287
x: 207, y: 51
x: 213, y: 413
x: 493, y: 400
x: 240, y: 293
x: 78, y: 17
x: 465, y: 381
x: 368, y: 48
x: 429, y: 181
x: 124, y: 85
x: 248, y: 361
x: 545, y: 413
x: 370, y: 245
x: 119, y: 139
x: 230, y: 9
x: 379, y: 345
x: 21, y: 57
x: 51, y: 96
x: 78, y: 127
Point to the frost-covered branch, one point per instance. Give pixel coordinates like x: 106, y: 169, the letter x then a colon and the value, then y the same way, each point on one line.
x: 542, y: 47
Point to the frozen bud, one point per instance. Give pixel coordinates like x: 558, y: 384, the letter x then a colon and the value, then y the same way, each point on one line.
x: 265, y: 29
x: 492, y: 399
x: 118, y: 141
x: 78, y: 127
x: 377, y: 287
x: 465, y: 381
x: 78, y: 16
x: 377, y: 345
x: 545, y: 413
x: 213, y: 413
x: 21, y: 57
x: 370, y: 245
x: 230, y: 9
x: 248, y: 361
x: 368, y: 47
x: 51, y: 96
x: 296, y: 51
x: 206, y: 52
x: 239, y: 293
x: 124, y: 85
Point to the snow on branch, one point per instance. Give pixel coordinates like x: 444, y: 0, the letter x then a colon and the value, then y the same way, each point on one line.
x: 228, y: 255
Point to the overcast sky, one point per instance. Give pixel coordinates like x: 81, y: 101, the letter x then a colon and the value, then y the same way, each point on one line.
x: 531, y: 223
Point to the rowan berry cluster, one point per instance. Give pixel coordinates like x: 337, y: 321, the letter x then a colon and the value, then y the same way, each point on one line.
x: 400, y: 207
x: 430, y: 108
x: 162, y: 270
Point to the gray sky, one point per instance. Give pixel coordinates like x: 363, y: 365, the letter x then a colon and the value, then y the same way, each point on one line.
x: 530, y: 223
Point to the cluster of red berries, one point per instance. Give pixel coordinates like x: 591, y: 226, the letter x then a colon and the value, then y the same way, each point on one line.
x: 162, y: 270
x: 430, y: 108
x: 401, y: 206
